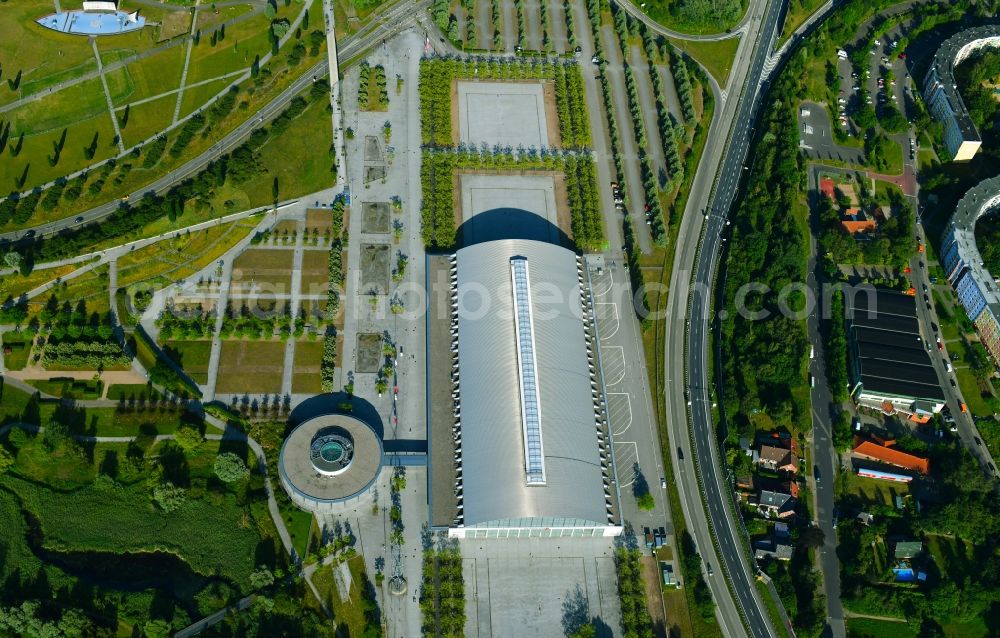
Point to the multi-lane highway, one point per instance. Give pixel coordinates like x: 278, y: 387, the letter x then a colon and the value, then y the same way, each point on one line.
x: 712, y: 521
x: 400, y: 16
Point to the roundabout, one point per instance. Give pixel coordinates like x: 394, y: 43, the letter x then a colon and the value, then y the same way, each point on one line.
x: 329, y: 463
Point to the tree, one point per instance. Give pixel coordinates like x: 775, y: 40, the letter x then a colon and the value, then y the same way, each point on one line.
x: 188, y: 438
x: 261, y: 577
x: 645, y: 501
x: 157, y: 629
x: 168, y: 496
x: 230, y: 468
x: 6, y: 459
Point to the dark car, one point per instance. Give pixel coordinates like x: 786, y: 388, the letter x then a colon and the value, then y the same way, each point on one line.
x: 816, y: 473
x: 680, y: 453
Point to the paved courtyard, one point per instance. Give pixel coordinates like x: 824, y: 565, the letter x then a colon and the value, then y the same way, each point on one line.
x: 505, y: 113
x: 504, y: 199
x: 529, y: 587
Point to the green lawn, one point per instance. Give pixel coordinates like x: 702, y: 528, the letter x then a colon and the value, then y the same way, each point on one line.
x: 798, y: 12
x: 871, y: 628
x: 147, y: 119
x: 81, y: 389
x: 971, y: 392
x: 310, y: 132
x: 192, y: 356
x: 195, y: 97
x: 349, y: 613
x: 699, y: 21
x: 20, y: 350
x: 12, y: 402
x: 243, y: 43
x: 35, y: 51
x: 870, y: 490
x: 154, y: 75
x: 715, y: 55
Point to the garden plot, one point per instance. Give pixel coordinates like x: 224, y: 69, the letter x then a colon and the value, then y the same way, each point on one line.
x: 369, y: 352
x: 506, y: 113
x: 373, y: 149
x: 251, y: 367
x: 262, y: 269
x: 375, y: 217
x: 493, y: 207
x: 315, y: 272
x: 320, y: 219
x: 306, y: 375
x: 374, y: 269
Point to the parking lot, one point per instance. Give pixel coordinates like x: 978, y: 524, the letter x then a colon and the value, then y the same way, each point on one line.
x: 636, y: 442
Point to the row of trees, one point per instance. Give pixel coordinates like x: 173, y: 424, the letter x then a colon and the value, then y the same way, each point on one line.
x: 372, y: 82
x: 437, y: 171
x: 252, y: 324
x: 682, y: 80
x: 437, y: 75
x: 442, y: 593
x: 636, y: 621
x: 571, y: 105
x: 336, y: 278
x: 181, y: 324
x: 672, y: 133
x: 82, y: 355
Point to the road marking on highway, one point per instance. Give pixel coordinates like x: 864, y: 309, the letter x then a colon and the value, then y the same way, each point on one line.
x: 626, y: 459
x: 619, y: 412
x: 607, y: 319
x: 613, y: 364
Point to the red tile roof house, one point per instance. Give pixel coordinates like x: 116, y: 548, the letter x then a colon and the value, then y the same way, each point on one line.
x: 885, y: 452
x: 826, y: 186
x: 778, y: 458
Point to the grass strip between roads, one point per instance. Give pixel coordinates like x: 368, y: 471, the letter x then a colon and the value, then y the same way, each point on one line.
x: 661, y: 260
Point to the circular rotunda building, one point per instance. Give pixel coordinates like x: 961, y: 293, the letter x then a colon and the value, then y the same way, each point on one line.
x: 329, y: 463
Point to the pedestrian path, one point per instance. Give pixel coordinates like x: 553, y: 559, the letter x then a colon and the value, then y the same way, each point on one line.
x: 107, y: 96
x: 187, y: 62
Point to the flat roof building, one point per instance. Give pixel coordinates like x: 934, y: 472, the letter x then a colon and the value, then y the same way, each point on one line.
x: 522, y: 449
x: 329, y: 462
x: 963, y: 264
x: 890, y: 368
x: 941, y: 91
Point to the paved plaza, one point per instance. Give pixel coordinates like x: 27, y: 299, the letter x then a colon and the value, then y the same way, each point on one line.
x: 528, y: 587
x: 494, y: 207
x: 504, y: 113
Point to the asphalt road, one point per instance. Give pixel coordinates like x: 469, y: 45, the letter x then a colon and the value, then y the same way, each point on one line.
x: 397, y: 17
x: 824, y: 454
x: 712, y: 522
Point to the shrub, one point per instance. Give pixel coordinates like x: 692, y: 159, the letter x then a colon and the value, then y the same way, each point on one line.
x: 230, y: 468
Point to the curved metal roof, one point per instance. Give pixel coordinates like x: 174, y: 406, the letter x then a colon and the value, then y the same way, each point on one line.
x: 495, y: 483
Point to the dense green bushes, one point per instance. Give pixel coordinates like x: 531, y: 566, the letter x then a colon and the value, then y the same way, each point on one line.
x: 763, y: 358
x: 372, y: 81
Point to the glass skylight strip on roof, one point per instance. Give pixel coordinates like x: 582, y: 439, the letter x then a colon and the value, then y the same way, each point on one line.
x: 531, y: 413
